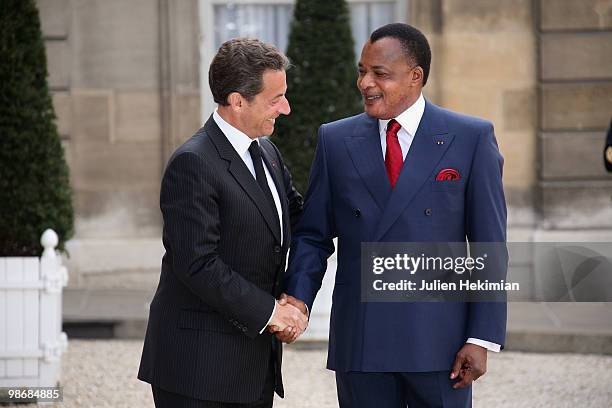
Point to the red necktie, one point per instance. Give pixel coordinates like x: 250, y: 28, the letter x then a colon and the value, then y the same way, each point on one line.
x: 393, y: 156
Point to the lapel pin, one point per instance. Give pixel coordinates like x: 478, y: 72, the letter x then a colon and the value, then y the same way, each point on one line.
x: 440, y: 142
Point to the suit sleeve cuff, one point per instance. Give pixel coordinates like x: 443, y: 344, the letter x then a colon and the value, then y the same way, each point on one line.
x: 486, y: 344
x: 270, y: 319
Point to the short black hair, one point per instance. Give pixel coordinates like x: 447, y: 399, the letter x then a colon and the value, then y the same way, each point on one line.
x: 414, y: 43
x: 239, y: 67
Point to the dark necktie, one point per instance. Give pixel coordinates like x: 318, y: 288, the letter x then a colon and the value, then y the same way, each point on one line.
x: 393, y: 156
x: 260, y: 175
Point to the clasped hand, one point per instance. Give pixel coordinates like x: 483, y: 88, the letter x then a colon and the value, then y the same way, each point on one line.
x: 290, y: 319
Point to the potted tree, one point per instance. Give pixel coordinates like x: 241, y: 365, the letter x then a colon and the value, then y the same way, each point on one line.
x: 321, y: 82
x: 35, y: 197
x: 321, y: 88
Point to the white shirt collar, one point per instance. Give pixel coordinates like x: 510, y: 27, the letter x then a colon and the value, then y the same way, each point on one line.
x: 239, y: 140
x: 409, y: 119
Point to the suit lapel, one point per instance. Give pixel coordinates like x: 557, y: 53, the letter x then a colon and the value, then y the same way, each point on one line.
x: 243, y: 176
x: 366, y: 153
x: 422, y: 158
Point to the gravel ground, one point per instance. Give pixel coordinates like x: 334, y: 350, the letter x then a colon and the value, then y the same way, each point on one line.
x: 103, y: 374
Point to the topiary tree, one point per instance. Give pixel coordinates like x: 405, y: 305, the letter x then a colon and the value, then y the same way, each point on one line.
x: 321, y: 83
x: 34, y: 187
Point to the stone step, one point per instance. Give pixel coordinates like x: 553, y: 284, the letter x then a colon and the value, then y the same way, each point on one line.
x: 536, y: 327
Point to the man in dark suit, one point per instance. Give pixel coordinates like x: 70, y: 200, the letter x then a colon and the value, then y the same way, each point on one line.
x: 228, y: 206
x: 403, y: 171
x: 608, y: 149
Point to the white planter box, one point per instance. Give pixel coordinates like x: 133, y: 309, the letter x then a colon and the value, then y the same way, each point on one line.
x: 31, y: 337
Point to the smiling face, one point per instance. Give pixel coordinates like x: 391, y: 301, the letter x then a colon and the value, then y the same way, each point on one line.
x: 257, y: 116
x: 388, y: 81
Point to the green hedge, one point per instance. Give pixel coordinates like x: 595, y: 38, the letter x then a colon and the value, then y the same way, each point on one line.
x: 34, y: 185
x: 321, y: 83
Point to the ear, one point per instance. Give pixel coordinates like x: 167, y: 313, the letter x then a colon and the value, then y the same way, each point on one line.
x: 235, y: 101
x: 417, y: 76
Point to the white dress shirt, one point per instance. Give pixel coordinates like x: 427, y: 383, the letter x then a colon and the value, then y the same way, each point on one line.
x: 410, y: 119
x: 241, y: 143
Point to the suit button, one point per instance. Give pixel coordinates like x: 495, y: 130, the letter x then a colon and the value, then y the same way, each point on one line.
x: 277, y: 249
x: 244, y: 329
x: 428, y: 212
x: 357, y: 212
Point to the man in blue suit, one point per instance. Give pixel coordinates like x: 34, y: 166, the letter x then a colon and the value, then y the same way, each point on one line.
x: 406, y: 170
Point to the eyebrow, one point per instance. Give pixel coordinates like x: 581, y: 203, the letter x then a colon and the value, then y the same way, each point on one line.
x: 360, y: 65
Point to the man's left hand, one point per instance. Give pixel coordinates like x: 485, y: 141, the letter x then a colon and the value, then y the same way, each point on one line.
x: 470, y: 364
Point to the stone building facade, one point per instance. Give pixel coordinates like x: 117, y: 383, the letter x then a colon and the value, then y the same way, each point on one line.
x: 126, y: 83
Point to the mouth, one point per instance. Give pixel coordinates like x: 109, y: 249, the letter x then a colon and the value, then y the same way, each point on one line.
x: 370, y: 99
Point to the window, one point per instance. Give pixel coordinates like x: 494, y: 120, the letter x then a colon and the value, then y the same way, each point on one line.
x: 367, y: 17
x: 270, y: 20
x: 267, y: 22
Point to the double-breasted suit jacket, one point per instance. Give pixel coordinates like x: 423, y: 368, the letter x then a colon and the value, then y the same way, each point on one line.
x: 350, y: 198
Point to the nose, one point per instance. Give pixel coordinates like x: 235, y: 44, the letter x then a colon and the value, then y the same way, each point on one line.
x: 364, y: 82
x: 284, y: 108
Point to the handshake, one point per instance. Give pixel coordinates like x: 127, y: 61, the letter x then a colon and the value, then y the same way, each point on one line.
x: 290, y: 319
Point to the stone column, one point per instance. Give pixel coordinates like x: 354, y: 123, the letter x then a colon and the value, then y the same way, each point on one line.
x: 575, y: 83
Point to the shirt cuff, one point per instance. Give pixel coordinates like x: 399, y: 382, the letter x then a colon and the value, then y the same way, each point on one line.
x: 486, y: 344
x: 270, y: 319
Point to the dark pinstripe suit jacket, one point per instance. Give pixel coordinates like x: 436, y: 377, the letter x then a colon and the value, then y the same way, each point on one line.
x: 222, y: 269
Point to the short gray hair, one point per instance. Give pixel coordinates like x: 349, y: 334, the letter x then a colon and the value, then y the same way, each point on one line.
x: 239, y: 67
